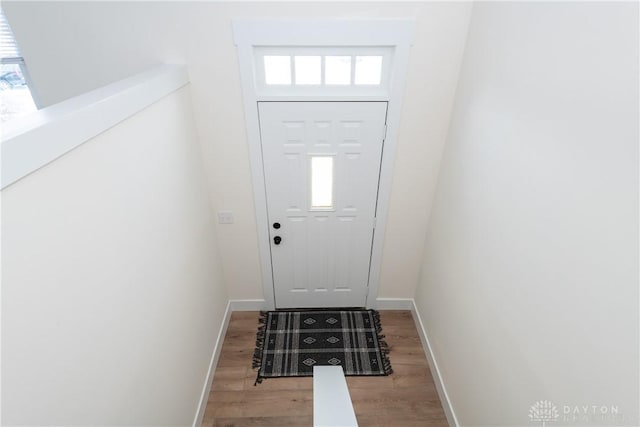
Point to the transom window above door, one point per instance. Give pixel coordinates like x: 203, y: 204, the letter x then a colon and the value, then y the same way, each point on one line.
x: 308, y: 70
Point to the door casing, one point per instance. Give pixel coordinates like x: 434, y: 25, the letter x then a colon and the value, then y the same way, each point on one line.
x: 252, y: 33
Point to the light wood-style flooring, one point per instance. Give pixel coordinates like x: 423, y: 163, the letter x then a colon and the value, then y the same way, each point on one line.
x: 407, y: 397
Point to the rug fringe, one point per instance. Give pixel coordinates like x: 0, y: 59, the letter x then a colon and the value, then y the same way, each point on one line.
x: 257, y: 353
x: 258, y: 380
x: 384, y: 347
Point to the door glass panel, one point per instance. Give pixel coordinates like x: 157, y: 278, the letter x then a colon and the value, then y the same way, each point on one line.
x: 277, y: 70
x: 308, y: 70
x: 368, y: 70
x: 337, y: 70
x: 321, y: 182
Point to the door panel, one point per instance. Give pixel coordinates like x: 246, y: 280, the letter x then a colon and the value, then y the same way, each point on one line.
x: 323, y: 257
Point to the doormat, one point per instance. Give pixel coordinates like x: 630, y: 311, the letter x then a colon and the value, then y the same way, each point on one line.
x: 291, y: 343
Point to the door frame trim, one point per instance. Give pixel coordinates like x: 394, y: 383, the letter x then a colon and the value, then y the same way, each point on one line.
x: 250, y: 33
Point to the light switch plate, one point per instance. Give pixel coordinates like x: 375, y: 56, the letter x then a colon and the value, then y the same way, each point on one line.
x: 225, y: 217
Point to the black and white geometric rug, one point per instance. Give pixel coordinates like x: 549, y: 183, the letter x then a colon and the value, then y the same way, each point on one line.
x: 291, y: 343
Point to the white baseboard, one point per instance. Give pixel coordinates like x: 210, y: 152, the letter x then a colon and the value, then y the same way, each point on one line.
x: 437, y: 378
x: 204, y: 398
x: 248, y: 304
x: 394, y: 303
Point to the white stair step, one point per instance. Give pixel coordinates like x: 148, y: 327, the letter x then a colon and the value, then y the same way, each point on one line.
x: 332, y: 405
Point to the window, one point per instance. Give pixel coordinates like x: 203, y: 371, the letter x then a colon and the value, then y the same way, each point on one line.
x: 307, y: 69
x: 337, y: 70
x: 368, y: 70
x: 15, y: 96
x: 298, y: 70
x: 321, y: 182
x: 277, y: 70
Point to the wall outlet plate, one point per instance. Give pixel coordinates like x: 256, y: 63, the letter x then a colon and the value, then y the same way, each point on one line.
x: 225, y: 217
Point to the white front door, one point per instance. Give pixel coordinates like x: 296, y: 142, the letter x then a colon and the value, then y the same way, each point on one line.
x: 321, y: 169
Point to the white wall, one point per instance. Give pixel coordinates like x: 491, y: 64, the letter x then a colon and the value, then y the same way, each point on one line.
x: 529, y: 288
x: 112, y: 294
x: 63, y: 64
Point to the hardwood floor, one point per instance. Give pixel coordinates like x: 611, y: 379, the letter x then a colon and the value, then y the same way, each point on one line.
x: 407, y: 397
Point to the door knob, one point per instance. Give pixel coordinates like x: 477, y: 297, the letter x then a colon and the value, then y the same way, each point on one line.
x: 276, y: 225
x: 277, y: 240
